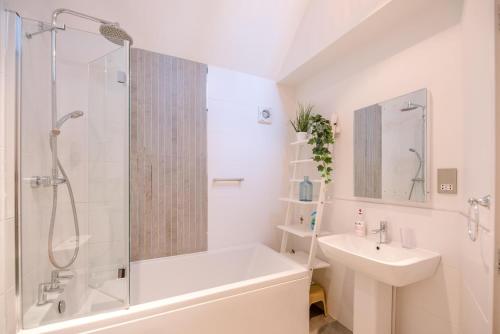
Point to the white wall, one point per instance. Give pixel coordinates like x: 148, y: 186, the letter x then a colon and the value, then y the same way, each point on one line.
x: 456, y: 66
x: 249, y: 36
x: 497, y: 200
x: 323, y: 22
x: 7, y: 236
x: 238, y: 146
x: 479, y: 164
x: 437, y: 230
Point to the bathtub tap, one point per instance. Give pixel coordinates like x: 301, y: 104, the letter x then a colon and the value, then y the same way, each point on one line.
x: 53, y: 287
x: 44, y: 289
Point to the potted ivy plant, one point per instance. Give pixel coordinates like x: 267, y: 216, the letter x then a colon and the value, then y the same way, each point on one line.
x: 320, y: 139
x: 301, y: 123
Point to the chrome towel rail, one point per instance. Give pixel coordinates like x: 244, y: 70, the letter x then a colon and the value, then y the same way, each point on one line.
x: 229, y: 179
x: 473, y: 215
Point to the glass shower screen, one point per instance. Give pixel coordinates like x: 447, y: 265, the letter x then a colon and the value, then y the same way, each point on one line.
x: 85, y: 212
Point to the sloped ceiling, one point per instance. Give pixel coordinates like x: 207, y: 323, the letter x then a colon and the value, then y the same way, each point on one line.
x: 251, y: 36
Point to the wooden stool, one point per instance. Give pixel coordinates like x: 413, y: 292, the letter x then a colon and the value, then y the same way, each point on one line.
x: 317, y: 294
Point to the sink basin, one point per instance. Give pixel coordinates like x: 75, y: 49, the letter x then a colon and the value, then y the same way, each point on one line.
x: 391, y: 264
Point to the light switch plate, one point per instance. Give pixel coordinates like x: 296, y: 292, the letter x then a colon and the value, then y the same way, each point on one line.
x: 265, y: 115
x: 447, y: 180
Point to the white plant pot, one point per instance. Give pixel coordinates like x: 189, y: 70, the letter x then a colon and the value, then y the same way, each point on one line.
x: 301, y: 136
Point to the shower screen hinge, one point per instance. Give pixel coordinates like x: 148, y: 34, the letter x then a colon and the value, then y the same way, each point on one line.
x: 121, y: 77
x: 122, y: 272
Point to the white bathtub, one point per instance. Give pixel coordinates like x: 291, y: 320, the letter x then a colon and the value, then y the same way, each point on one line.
x: 242, y: 290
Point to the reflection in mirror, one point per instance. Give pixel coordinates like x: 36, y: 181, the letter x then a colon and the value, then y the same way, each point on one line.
x: 390, y: 155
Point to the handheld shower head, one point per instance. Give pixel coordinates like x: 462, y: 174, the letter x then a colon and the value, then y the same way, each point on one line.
x: 74, y: 114
x: 416, y: 153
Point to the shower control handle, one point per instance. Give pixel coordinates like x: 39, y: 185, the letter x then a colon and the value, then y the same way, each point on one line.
x: 44, y: 181
x: 57, y: 275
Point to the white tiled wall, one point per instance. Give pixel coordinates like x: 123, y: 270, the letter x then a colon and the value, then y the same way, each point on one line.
x: 239, y: 146
x: 96, y: 175
x: 73, y: 77
x: 36, y: 203
x: 7, y: 251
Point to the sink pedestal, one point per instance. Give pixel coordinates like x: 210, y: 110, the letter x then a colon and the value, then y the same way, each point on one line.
x: 372, y: 306
x: 377, y: 270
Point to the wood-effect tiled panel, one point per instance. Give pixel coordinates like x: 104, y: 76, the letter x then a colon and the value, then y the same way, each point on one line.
x: 368, y: 152
x: 168, y: 156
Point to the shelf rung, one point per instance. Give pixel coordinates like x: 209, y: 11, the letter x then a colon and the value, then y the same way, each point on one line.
x: 302, y: 258
x: 296, y: 201
x: 300, y: 230
x: 303, y: 161
x: 291, y: 200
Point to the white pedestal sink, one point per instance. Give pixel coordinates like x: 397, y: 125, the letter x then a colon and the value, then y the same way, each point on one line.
x: 376, y: 272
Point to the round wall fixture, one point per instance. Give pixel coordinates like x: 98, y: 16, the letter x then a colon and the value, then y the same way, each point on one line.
x: 265, y: 115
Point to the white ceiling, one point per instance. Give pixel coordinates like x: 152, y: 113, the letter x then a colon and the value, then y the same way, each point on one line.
x: 251, y: 36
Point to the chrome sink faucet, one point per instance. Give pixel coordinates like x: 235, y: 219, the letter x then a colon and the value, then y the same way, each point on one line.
x: 382, y: 233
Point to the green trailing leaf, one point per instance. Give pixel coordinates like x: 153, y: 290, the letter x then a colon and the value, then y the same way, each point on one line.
x: 303, y: 118
x: 321, y: 138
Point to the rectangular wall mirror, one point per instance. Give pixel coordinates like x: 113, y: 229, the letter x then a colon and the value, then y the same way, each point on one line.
x: 390, y: 149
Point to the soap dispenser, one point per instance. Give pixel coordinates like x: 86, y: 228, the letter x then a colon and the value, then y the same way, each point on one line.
x: 359, y: 223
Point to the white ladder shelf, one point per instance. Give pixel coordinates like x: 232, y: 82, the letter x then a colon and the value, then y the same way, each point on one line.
x: 309, y: 261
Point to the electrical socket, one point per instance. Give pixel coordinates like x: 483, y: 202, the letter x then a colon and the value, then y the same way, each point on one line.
x: 447, y: 180
x: 446, y: 187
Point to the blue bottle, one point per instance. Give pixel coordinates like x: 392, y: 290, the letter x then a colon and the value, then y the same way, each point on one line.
x: 313, y: 220
x: 305, y: 190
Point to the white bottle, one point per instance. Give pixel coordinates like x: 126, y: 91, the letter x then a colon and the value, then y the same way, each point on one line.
x: 359, y: 224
